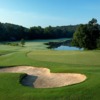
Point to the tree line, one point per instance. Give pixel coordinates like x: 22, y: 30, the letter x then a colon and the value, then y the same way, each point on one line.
x: 87, y: 35
x: 12, y: 32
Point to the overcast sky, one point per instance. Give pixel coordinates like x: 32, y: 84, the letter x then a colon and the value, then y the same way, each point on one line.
x: 48, y: 12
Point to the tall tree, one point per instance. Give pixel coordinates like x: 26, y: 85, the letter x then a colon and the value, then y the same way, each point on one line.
x: 86, y: 36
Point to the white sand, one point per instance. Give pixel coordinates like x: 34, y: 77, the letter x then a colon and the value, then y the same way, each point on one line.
x: 42, y: 78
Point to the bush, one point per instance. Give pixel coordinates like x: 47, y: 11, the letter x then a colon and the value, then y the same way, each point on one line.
x: 98, y: 43
x: 11, y: 43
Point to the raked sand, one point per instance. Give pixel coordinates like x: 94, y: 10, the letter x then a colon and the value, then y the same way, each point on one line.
x: 42, y: 78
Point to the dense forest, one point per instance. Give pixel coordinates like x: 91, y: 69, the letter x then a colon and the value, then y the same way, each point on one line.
x: 12, y: 32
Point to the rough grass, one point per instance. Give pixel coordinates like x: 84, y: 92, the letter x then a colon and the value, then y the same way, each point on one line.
x: 86, y: 62
x: 4, y: 52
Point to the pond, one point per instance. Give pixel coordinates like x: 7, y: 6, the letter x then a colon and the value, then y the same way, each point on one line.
x: 62, y: 45
x: 67, y: 48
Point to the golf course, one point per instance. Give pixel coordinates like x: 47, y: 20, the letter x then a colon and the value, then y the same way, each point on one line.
x: 49, y: 50
x: 36, y: 54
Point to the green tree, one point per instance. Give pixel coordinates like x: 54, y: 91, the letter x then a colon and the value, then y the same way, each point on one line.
x: 93, y: 21
x: 86, y: 36
x: 98, y: 43
x: 79, y: 38
x: 22, y: 42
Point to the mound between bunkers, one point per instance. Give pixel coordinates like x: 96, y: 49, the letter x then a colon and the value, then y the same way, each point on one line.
x: 42, y: 78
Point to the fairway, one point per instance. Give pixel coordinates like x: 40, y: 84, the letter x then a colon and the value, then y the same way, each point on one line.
x: 35, y: 53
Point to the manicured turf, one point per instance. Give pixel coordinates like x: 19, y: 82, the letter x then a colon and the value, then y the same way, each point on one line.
x: 86, y: 62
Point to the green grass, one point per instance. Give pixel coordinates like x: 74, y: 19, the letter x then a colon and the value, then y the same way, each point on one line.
x: 4, y: 52
x: 85, y: 62
x: 69, y: 57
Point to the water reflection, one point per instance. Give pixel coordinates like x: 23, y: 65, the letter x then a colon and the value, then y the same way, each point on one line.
x: 65, y: 45
x: 67, y: 48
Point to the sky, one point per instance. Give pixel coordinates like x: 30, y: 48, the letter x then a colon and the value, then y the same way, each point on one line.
x: 43, y: 13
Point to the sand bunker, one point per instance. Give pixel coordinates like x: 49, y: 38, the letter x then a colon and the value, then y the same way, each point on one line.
x: 42, y: 78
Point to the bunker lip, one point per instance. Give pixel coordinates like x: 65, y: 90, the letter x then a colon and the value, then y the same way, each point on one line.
x: 42, y: 78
